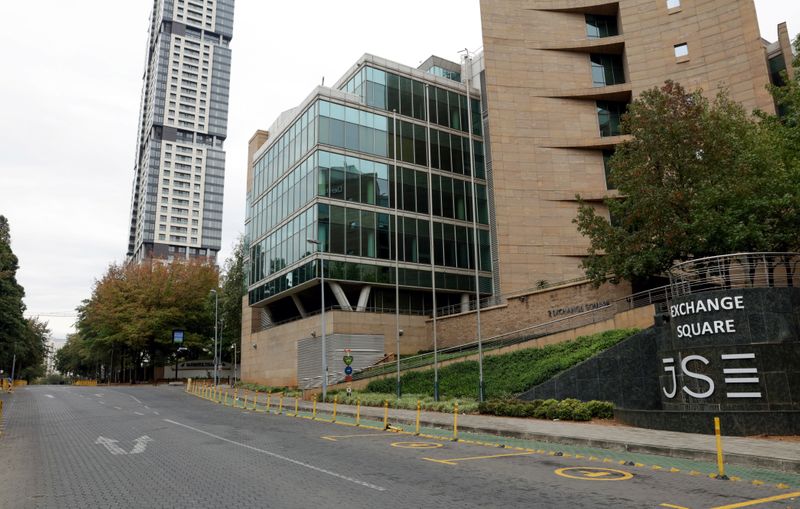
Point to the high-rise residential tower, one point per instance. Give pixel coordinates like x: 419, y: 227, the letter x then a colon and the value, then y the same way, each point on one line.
x: 176, y: 208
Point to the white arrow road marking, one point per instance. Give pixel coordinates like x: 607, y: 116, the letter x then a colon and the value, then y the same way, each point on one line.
x: 111, y: 445
x: 138, y: 413
x: 50, y: 396
x: 141, y: 444
x: 278, y: 456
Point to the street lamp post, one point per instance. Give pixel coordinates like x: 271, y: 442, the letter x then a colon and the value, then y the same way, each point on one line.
x: 468, y: 69
x: 396, y: 255
x: 216, y: 321
x: 322, y: 318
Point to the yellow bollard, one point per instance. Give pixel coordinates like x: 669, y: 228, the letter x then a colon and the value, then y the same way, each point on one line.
x: 419, y: 406
x: 358, y: 412
x: 255, y: 402
x: 335, y: 398
x: 386, y: 414
x: 455, y: 422
x: 720, y: 462
x: 269, y: 400
x: 225, y: 402
x: 314, y: 410
x: 296, y: 406
x: 244, y: 406
x: 280, y: 405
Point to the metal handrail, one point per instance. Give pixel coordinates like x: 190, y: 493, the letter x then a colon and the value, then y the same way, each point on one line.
x: 656, y: 296
x: 737, y: 270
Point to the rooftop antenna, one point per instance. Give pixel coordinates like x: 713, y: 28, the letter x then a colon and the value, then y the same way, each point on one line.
x: 323, y: 81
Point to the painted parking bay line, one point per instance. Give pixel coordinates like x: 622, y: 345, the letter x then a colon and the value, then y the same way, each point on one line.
x: 455, y: 461
x: 280, y: 457
x: 335, y: 438
x: 749, y: 503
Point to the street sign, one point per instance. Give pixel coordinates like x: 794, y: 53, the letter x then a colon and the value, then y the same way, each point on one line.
x: 177, y: 336
x: 348, y: 378
x: 348, y: 370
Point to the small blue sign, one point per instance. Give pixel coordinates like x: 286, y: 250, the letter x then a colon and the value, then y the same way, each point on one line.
x: 348, y: 370
x: 177, y: 336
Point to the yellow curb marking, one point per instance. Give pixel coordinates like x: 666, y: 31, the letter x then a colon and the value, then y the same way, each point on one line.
x: 416, y: 445
x: 672, y: 506
x: 760, y: 501
x: 594, y: 474
x: 454, y: 461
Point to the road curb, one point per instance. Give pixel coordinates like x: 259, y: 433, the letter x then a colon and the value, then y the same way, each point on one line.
x: 745, y: 460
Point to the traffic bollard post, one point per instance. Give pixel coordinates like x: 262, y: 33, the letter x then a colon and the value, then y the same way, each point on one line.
x: 358, y: 412
x: 386, y: 414
x: 419, y: 405
x: 455, y: 422
x: 335, y: 398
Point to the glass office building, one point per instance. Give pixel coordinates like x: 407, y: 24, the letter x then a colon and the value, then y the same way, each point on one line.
x: 379, y: 171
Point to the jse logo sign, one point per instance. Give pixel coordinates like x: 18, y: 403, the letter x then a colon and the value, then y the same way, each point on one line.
x: 737, y: 376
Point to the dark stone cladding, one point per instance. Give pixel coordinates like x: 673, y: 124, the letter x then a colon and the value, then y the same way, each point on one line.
x: 625, y: 374
x: 731, y: 423
x: 632, y: 374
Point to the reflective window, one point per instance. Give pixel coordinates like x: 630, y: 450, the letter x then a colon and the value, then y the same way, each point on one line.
x: 598, y: 26
x: 606, y: 70
x: 609, y: 116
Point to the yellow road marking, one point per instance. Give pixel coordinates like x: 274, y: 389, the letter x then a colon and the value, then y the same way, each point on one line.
x: 334, y: 438
x: 760, y: 501
x: 594, y: 474
x: 416, y: 445
x: 672, y: 506
x: 453, y: 461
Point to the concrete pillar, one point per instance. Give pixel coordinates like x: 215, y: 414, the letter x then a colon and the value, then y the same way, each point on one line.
x: 363, y: 298
x: 341, y: 298
x: 464, y: 302
x: 299, y: 305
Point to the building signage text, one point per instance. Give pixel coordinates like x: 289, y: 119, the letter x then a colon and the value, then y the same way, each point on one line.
x: 690, y: 330
x: 578, y: 308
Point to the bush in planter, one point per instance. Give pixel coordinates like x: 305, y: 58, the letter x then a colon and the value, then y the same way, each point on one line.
x: 601, y: 409
x: 581, y: 412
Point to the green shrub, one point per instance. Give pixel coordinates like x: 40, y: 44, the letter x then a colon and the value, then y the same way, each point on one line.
x: 581, y: 412
x: 601, y: 409
x: 566, y: 409
x: 547, y: 410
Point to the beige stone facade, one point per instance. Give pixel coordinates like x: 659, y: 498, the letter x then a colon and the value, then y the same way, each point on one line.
x: 527, y: 309
x: 270, y: 356
x: 543, y: 125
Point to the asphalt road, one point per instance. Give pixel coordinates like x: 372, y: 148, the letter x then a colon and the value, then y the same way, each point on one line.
x: 149, y: 447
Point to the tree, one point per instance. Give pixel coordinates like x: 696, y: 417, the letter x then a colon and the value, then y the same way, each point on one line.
x: 697, y: 178
x: 12, y: 322
x: 135, y: 307
x: 23, y: 341
x: 232, y: 289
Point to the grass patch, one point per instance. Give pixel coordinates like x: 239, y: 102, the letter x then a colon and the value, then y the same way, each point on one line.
x: 407, y: 401
x: 268, y: 389
x: 504, y: 375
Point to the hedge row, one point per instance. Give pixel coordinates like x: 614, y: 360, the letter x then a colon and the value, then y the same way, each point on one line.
x: 565, y: 410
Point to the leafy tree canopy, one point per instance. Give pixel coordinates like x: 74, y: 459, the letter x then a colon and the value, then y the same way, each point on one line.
x: 697, y: 178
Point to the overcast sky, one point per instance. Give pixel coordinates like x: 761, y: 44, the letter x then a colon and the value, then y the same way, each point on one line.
x: 71, y: 86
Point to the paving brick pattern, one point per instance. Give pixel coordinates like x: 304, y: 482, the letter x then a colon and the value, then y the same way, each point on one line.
x: 206, y: 455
